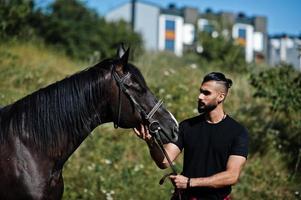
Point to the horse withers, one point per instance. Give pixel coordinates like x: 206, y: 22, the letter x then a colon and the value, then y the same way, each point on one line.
x: 39, y: 132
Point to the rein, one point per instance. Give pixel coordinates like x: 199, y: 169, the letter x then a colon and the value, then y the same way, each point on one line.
x: 158, y: 140
x: 154, y: 126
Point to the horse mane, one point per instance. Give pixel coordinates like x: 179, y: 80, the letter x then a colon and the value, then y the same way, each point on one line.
x: 62, y: 111
x: 136, y: 74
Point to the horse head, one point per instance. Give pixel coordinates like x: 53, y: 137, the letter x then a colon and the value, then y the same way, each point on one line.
x: 133, y: 103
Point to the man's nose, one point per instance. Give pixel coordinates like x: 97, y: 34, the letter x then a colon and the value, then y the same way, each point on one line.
x: 201, y: 96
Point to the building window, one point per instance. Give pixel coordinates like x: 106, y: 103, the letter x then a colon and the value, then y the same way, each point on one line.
x: 170, y: 45
x: 241, y: 40
x: 242, y: 33
x: 170, y: 35
x: 208, y: 28
x: 170, y: 25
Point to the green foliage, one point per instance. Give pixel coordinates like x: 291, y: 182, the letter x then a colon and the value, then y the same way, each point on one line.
x: 115, y: 164
x: 25, y: 67
x: 222, y: 51
x: 217, y: 22
x: 14, y: 18
x: 83, y: 34
x: 281, y: 88
x: 68, y: 25
x: 121, y: 169
x: 72, y: 26
x: 266, y: 177
x: 280, y: 85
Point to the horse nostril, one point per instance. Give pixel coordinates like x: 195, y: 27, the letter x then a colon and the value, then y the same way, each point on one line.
x: 175, y: 133
x: 175, y: 129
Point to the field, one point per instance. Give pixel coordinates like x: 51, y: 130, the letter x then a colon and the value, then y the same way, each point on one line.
x: 115, y: 164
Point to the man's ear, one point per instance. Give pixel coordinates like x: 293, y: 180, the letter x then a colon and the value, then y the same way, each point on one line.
x: 123, y: 57
x: 221, y: 97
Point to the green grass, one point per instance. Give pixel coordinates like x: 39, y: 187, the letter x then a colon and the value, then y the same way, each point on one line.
x: 26, y: 67
x: 115, y: 164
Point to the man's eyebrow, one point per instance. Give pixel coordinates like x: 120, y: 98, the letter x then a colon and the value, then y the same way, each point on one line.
x: 202, y: 91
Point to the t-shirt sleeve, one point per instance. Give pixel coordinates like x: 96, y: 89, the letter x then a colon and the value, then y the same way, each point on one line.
x: 180, y: 141
x: 240, y: 144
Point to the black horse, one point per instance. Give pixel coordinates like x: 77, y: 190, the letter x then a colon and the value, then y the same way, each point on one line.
x: 39, y: 132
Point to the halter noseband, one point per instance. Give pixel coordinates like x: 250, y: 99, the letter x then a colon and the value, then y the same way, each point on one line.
x: 154, y: 126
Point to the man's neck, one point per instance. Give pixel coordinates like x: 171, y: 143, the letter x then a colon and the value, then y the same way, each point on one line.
x: 216, y: 115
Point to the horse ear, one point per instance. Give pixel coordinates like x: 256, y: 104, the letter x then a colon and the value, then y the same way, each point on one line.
x: 123, y: 58
x: 120, y: 51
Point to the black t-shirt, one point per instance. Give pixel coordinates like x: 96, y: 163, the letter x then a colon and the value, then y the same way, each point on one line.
x: 207, y: 148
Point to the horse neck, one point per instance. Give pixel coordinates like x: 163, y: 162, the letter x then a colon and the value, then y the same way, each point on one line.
x: 57, y: 119
x: 100, y: 115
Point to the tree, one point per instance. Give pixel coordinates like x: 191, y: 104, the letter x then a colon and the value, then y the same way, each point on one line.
x: 14, y: 18
x: 281, y: 87
x: 70, y: 25
x: 220, y: 50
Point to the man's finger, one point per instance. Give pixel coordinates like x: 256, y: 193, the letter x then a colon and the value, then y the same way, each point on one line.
x: 172, y: 176
x: 136, y: 131
x: 142, y: 131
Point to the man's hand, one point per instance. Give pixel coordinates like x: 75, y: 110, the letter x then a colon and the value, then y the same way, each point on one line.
x: 172, y: 150
x: 179, y: 181
x: 143, y: 132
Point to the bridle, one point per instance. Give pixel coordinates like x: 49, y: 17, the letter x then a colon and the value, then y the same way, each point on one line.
x: 153, y: 125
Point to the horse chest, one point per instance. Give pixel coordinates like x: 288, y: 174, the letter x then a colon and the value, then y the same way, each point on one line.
x: 25, y: 175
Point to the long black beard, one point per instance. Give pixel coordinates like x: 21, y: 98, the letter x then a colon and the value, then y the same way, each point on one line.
x: 204, y: 109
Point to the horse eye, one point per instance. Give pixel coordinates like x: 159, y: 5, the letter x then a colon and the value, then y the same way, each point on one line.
x: 138, y: 89
x: 127, y: 86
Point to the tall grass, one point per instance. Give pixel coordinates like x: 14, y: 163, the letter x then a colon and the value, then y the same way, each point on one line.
x: 115, y: 164
x: 26, y: 67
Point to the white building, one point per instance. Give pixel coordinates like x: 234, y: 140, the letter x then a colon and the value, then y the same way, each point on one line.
x: 251, y: 32
x: 161, y: 29
x: 145, y: 21
x: 285, y: 49
x: 248, y: 32
x: 173, y: 29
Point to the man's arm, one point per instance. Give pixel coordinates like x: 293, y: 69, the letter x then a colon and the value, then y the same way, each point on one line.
x: 229, y: 177
x: 157, y: 155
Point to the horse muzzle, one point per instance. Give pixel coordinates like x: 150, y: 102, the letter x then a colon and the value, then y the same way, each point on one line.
x: 166, y: 135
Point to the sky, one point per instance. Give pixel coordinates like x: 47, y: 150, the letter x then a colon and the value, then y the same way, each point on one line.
x: 284, y: 16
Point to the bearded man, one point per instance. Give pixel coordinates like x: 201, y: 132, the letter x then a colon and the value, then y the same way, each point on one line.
x: 215, y: 145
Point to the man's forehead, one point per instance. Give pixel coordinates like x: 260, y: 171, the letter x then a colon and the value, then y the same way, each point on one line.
x: 210, y: 85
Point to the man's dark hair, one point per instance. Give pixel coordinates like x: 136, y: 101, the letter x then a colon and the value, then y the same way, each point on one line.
x: 220, y: 77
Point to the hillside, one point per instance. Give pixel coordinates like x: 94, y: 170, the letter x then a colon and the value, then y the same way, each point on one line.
x: 26, y: 67
x: 115, y: 164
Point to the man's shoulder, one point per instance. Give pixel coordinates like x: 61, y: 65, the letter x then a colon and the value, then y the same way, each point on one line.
x: 235, y: 124
x: 192, y: 121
